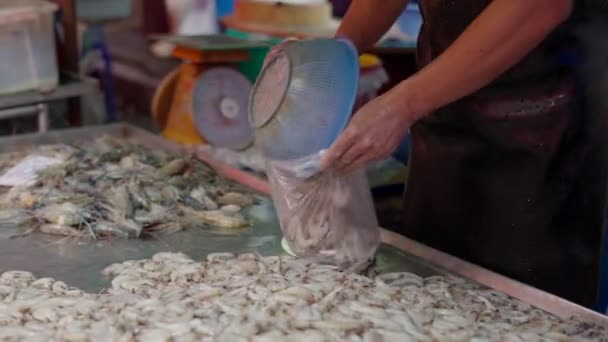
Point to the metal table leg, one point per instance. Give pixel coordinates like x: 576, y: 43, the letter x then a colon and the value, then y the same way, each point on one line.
x: 43, y: 117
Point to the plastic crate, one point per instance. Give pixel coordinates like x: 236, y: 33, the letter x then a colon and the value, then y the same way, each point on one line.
x: 27, y: 43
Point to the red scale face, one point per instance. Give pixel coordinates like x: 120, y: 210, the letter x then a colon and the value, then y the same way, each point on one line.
x: 219, y: 107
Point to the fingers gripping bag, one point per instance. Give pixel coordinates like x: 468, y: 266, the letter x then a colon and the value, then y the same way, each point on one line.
x: 299, y: 105
x: 326, y: 217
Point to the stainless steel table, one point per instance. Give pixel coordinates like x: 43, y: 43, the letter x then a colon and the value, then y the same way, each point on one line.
x: 79, y: 263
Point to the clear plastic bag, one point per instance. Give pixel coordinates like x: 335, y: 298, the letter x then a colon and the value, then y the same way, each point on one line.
x: 326, y: 217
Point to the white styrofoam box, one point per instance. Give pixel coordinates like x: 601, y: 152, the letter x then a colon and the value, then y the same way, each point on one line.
x: 27, y: 46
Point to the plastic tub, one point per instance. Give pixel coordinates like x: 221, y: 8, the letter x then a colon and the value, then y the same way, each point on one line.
x: 27, y: 46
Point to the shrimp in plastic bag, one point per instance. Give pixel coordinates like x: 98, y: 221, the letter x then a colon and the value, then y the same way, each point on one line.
x: 326, y: 217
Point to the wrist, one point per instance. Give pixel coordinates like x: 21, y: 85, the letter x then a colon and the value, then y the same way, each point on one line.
x: 413, y: 99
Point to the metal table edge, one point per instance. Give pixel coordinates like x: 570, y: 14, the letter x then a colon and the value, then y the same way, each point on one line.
x: 543, y: 300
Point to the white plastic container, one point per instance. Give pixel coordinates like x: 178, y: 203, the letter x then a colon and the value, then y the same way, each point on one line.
x: 27, y: 46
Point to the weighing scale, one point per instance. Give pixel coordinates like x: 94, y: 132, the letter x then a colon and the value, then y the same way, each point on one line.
x: 205, y: 99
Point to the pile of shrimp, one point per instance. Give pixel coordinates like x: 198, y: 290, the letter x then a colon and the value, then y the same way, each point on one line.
x: 112, y: 187
x: 171, y: 297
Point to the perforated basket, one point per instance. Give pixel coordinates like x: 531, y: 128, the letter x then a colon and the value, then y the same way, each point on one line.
x: 303, y: 98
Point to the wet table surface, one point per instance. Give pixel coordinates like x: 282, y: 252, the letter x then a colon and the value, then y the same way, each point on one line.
x: 79, y: 263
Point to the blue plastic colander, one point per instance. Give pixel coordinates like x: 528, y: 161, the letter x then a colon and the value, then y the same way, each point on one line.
x: 303, y: 98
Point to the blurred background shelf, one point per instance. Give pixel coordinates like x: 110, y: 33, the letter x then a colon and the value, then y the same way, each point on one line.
x: 70, y: 86
x: 36, y: 104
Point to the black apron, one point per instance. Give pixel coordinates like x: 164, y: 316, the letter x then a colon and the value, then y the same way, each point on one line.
x: 513, y: 177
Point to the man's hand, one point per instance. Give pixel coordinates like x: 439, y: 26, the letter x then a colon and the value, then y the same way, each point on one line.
x: 373, y: 134
x: 504, y: 33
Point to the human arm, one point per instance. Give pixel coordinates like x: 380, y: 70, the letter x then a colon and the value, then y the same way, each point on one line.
x: 496, y: 40
x: 366, y: 21
x: 358, y: 26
